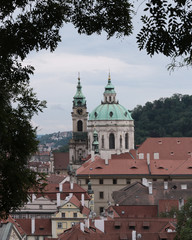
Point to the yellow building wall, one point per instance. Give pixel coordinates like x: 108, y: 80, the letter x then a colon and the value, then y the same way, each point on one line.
x: 65, y: 222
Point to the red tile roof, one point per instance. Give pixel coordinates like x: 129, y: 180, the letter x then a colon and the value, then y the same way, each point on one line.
x: 114, y: 167
x: 52, y: 189
x: 61, y: 160
x: 54, y: 178
x: 138, y: 194
x: 133, y: 211
x: 174, y: 148
x: 42, y: 226
x: 149, y: 228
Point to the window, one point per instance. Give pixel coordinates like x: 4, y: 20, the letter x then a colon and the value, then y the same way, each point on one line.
x: 63, y: 215
x: 111, y: 141
x: 40, y: 206
x: 132, y: 225
x: 87, y: 180
x: 128, y: 181
x: 100, y: 181
x: 102, y: 140
x: 126, y: 141
x: 79, y: 126
x: 120, y: 141
x: 75, y: 215
x: 156, y: 155
x: 101, y: 209
x: 59, y: 225
x: 101, y: 195
x: 114, y: 181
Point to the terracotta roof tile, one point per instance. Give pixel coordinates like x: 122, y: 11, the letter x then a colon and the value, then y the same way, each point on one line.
x: 61, y: 160
x: 115, y: 167
x: 174, y: 148
x: 138, y: 194
x: 42, y: 226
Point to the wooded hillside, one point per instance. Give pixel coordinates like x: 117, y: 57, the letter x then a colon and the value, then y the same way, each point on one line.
x: 166, y: 117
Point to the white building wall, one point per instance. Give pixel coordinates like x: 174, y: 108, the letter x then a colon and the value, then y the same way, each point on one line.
x: 119, y: 128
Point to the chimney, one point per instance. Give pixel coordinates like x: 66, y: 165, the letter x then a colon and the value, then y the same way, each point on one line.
x: 71, y: 185
x: 148, y: 158
x: 150, y: 188
x: 165, y: 185
x: 87, y: 222
x: 32, y: 225
x: 145, y: 182
x: 60, y: 187
x: 92, y: 156
x: 133, y: 235
x: 70, y: 195
x: 106, y: 161
x: 58, y: 199
x: 82, y: 226
x: 33, y: 197
x: 83, y: 199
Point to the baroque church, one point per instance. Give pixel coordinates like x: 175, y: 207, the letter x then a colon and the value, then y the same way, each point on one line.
x: 108, y: 129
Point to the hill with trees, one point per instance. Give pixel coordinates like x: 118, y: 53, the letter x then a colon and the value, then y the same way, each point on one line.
x: 166, y: 117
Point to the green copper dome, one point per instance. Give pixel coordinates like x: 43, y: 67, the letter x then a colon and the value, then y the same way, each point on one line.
x: 110, y: 111
x: 79, y: 98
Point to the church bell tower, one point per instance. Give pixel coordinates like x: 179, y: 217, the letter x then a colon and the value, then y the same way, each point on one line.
x: 78, y: 143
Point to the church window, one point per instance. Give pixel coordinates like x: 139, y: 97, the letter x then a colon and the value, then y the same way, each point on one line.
x: 126, y: 141
x: 111, y: 114
x: 102, y: 140
x: 79, y: 126
x: 120, y: 141
x: 111, y: 141
x: 79, y: 103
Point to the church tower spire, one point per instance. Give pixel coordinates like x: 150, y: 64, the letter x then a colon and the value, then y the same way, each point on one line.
x: 79, y: 98
x: 78, y: 143
x: 109, y: 94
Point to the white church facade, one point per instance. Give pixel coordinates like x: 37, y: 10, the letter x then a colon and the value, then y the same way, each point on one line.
x: 111, y: 122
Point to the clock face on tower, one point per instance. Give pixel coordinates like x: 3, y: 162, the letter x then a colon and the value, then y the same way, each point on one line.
x: 80, y: 111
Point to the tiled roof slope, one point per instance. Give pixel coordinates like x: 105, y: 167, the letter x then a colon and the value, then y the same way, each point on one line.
x: 174, y: 148
x: 138, y: 194
x: 42, y: 226
x: 54, y: 178
x: 149, y: 228
x: 114, y: 167
x: 61, y: 160
x: 52, y: 189
x: 133, y: 211
x: 136, y: 167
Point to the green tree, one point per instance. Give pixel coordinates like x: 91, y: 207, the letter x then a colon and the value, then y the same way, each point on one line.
x: 166, y: 117
x: 25, y: 26
x: 184, y: 222
x: 167, y: 29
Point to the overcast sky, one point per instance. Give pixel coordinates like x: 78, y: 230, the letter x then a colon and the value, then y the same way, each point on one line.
x: 137, y: 77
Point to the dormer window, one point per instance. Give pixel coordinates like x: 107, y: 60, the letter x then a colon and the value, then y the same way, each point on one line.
x: 96, y: 114
x: 111, y: 114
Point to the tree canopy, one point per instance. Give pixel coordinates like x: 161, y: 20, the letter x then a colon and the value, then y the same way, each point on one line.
x: 32, y: 25
x: 167, y: 29
x: 25, y: 26
x: 166, y: 117
x: 184, y: 222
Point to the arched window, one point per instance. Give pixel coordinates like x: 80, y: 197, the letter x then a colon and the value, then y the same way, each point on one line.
x: 126, y: 141
x: 111, y: 141
x: 79, y: 126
